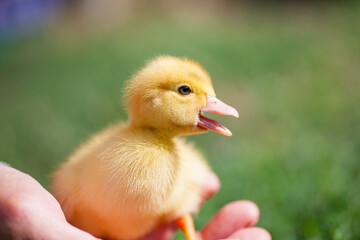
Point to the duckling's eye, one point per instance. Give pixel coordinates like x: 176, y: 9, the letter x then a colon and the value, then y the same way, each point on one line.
x: 184, y: 90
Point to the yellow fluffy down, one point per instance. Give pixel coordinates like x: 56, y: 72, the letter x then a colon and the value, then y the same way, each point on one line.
x: 134, y: 176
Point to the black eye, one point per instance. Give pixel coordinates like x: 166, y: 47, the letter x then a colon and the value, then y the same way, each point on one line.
x: 184, y: 90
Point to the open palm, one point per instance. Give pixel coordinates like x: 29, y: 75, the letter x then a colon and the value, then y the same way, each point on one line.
x: 28, y: 211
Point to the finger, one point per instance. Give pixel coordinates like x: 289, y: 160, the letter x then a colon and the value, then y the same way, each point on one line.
x: 211, y: 186
x: 253, y: 233
x: 230, y: 218
x: 31, y: 212
x: 18, y: 187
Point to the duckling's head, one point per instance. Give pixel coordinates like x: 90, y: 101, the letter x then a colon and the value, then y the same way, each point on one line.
x: 169, y: 94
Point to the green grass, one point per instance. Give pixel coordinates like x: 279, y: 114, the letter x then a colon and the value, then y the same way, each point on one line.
x: 293, y: 75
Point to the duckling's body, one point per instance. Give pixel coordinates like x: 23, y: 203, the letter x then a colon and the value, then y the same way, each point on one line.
x: 138, y: 181
x: 132, y: 177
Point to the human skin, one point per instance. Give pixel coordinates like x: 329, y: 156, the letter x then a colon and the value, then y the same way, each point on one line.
x: 28, y: 211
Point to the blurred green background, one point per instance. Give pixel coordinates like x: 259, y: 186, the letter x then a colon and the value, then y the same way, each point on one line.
x: 291, y: 70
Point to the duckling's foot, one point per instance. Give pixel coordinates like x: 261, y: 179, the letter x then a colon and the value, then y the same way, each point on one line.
x: 186, y: 224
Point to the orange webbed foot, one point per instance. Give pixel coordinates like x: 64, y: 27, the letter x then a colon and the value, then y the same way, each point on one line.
x: 186, y: 224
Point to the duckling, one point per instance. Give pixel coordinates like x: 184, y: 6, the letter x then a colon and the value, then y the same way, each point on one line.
x: 135, y: 176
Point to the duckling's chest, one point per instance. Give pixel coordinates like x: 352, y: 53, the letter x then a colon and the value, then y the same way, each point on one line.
x: 143, y: 172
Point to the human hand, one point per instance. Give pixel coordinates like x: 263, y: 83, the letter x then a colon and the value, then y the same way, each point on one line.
x: 28, y: 211
x: 234, y: 221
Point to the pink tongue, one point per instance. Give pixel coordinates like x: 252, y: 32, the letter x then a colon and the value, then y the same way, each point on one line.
x: 205, y: 122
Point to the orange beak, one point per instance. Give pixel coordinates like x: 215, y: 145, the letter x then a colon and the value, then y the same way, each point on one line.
x: 214, y: 105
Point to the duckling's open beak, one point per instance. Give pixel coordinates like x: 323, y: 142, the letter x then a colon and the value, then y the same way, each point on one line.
x: 214, y: 105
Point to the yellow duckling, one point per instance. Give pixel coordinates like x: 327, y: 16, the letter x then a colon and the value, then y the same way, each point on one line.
x: 133, y: 177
